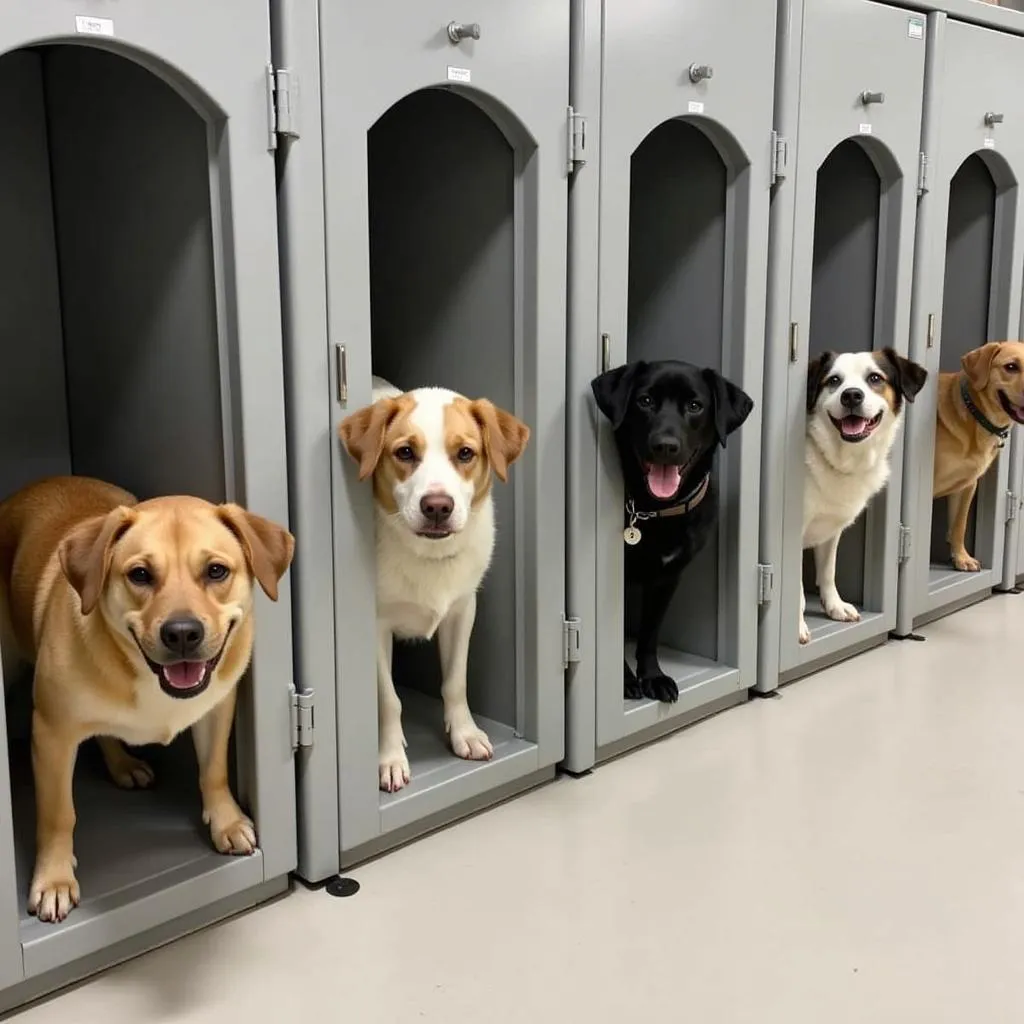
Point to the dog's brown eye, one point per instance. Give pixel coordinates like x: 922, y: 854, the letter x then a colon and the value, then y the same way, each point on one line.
x: 405, y: 454
x: 217, y: 572
x: 465, y: 454
x: 140, y: 576
x: 1012, y: 367
x: 695, y: 406
x: 833, y: 382
x: 645, y: 401
x: 875, y: 378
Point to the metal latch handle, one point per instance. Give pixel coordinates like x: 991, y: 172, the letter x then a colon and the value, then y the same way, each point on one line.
x: 868, y: 96
x: 457, y: 31
x: 701, y: 72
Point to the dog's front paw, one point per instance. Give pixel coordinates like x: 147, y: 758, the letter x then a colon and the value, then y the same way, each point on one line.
x: 469, y: 741
x: 965, y: 563
x: 631, y: 687
x: 841, y: 611
x: 130, y: 772
x: 54, y: 891
x: 804, y: 634
x: 231, y: 831
x: 393, y: 767
x: 660, y: 687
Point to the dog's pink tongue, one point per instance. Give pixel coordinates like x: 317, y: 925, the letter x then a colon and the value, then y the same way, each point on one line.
x: 183, y: 675
x: 854, y: 426
x: 663, y: 481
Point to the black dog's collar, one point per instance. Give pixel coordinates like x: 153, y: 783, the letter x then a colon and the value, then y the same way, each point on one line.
x: 688, y: 504
x: 1001, y: 432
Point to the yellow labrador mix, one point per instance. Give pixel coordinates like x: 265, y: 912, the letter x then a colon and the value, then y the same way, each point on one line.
x: 138, y: 619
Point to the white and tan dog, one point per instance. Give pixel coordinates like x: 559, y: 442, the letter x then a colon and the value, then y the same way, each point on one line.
x: 431, y: 453
x: 854, y: 409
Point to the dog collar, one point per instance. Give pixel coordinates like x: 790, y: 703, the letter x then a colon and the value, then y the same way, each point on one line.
x: 1001, y: 432
x: 632, y: 535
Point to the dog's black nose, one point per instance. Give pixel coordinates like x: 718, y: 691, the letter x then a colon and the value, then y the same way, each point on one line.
x: 851, y: 398
x: 182, y: 635
x: 437, y: 508
x: 665, y: 447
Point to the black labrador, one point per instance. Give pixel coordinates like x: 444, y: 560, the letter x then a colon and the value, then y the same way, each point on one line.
x: 669, y: 418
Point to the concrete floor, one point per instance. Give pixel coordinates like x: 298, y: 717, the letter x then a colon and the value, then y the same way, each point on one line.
x: 851, y: 852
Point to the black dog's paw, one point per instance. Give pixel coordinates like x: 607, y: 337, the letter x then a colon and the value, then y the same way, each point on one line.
x: 661, y: 688
x: 631, y: 688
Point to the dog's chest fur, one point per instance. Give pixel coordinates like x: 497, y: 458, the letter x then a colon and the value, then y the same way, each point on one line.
x: 840, y: 479
x: 414, y: 591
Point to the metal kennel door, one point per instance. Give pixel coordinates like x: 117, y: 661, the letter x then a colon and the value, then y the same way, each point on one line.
x: 507, y: 65
x: 973, y: 138
x: 691, y: 83
x: 860, y: 86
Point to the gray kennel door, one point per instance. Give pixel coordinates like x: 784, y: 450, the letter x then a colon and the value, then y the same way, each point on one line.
x: 857, y: 141
x: 967, y: 289
x: 685, y: 130
x: 445, y: 178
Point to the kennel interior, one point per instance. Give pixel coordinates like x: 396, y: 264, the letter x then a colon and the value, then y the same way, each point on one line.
x: 112, y: 328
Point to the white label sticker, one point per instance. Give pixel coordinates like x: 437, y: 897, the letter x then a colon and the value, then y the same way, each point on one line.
x: 458, y: 74
x: 694, y: 107
x: 915, y: 28
x: 989, y: 143
x: 94, y: 26
x: 865, y: 129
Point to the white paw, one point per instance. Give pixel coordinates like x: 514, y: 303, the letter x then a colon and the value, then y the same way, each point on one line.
x: 842, y: 611
x: 804, y: 633
x: 54, y: 891
x: 469, y: 741
x: 231, y: 830
x: 966, y: 563
x: 393, y: 767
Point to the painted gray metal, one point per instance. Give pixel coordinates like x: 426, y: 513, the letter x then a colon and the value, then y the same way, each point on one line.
x: 955, y: 131
x: 830, y: 52
x: 491, y: 140
x: 198, y: 252
x: 644, y: 112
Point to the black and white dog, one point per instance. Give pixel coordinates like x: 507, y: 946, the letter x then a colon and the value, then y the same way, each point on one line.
x: 669, y: 418
x: 854, y: 409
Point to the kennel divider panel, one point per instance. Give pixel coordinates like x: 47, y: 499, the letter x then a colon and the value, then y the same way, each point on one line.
x: 644, y: 85
x: 229, y: 94
x: 530, y: 111
x: 11, y: 962
x: 846, y: 48
x: 956, y: 131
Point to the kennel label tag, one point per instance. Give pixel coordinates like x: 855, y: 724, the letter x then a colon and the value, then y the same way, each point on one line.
x: 915, y: 27
x: 989, y: 143
x: 459, y: 74
x: 864, y: 129
x: 695, y: 107
x: 94, y: 26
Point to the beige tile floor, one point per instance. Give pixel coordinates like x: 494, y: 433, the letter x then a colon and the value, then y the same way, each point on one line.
x: 852, y: 852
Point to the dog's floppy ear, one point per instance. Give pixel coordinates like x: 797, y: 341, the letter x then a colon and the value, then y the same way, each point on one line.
x: 977, y: 364
x: 731, y: 405
x: 505, y: 436
x: 268, y: 548
x: 614, y: 389
x: 362, y: 433
x: 86, y: 553
x: 905, y: 376
x: 817, y: 371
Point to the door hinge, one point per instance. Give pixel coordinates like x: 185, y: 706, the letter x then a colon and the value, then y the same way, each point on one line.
x: 780, y: 157
x: 570, y: 641
x: 903, y: 545
x: 922, y: 174
x: 576, y: 140
x: 282, y: 105
x: 302, y: 718
x: 765, y: 582
x: 1012, y: 504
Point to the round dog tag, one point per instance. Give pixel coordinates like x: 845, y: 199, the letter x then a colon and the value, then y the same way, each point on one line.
x: 631, y: 535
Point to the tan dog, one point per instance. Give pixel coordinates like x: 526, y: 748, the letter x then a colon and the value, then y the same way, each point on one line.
x: 431, y: 453
x: 138, y: 618
x: 976, y: 409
